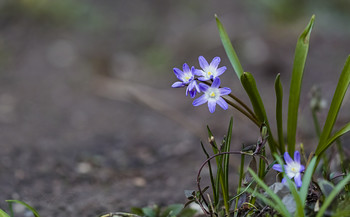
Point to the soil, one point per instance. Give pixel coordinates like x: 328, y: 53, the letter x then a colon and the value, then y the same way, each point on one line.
x: 88, y: 121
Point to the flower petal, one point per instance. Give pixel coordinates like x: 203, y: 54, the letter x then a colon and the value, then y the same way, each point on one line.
x: 203, y: 87
x: 177, y: 84
x: 277, y: 167
x: 200, y: 100
x: 203, y: 62
x: 220, y: 70
x: 216, y: 82
x: 222, y: 103
x: 211, y: 105
x: 287, y: 158
x: 185, y: 68
x: 224, y: 91
x: 297, y: 157
x: 284, y: 180
x: 198, y: 72
x: 178, y: 72
x: 302, y: 168
x: 215, y: 62
x: 196, y: 86
x: 297, y: 180
x: 193, y: 93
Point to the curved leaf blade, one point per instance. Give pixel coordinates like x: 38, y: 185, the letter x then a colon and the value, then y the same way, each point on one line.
x: 230, y: 51
x: 301, y: 51
x: 343, y: 84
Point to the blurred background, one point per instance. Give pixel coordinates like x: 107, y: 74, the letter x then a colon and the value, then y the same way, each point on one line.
x: 88, y: 121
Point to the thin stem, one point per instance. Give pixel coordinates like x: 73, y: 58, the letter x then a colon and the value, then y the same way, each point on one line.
x: 226, y: 201
x: 239, y: 102
x: 252, y: 118
x: 242, y: 104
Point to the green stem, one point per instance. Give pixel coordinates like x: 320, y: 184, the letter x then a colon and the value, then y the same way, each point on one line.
x: 255, y: 121
x: 243, y: 105
x: 247, y: 112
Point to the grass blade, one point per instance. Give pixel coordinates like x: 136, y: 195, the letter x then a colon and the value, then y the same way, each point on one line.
x: 307, y: 179
x: 231, y: 53
x: 227, y: 157
x: 301, y: 51
x: 36, y: 214
x: 279, y: 119
x: 249, y: 85
x: 3, y: 213
x: 336, y: 135
x: 332, y: 195
x: 215, y: 194
x: 281, y: 207
x: 338, y: 97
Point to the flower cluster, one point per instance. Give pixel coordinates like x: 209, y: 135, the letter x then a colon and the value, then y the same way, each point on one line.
x: 293, y: 169
x: 212, y: 94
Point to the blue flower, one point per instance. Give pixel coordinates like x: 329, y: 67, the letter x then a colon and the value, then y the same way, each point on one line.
x: 293, y: 168
x: 186, y: 78
x: 212, y: 95
x: 209, y: 71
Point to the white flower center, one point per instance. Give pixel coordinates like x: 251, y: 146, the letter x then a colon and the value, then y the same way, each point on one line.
x: 212, y: 93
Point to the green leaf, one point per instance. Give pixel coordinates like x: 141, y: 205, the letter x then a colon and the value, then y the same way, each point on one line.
x: 336, y: 135
x: 307, y: 179
x: 325, y: 186
x: 279, y: 108
x: 332, y: 195
x: 3, y: 214
x: 137, y: 211
x: 250, y: 87
x: 231, y: 53
x: 337, y: 100
x: 227, y: 157
x: 149, y: 212
x: 172, y: 210
x: 301, y: 51
x: 213, y: 185
x: 36, y: 214
x: 280, y: 206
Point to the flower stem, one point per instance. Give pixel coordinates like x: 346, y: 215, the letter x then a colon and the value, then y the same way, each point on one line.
x: 252, y: 118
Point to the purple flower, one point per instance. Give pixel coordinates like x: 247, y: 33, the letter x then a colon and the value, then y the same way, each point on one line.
x: 212, y: 95
x: 209, y: 71
x: 293, y: 168
x: 186, y: 78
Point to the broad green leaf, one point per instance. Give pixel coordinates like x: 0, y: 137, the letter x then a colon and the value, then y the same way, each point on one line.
x: 301, y: 51
x: 279, y: 119
x: 149, y: 212
x: 172, y: 210
x: 277, y: 201
x: 250, y: 87
x: 337, y: 100
x: 325, y: 186
x: 333, y: 194
x: 231, y: 53
x: 36, y: 214
x: 304, y: 190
